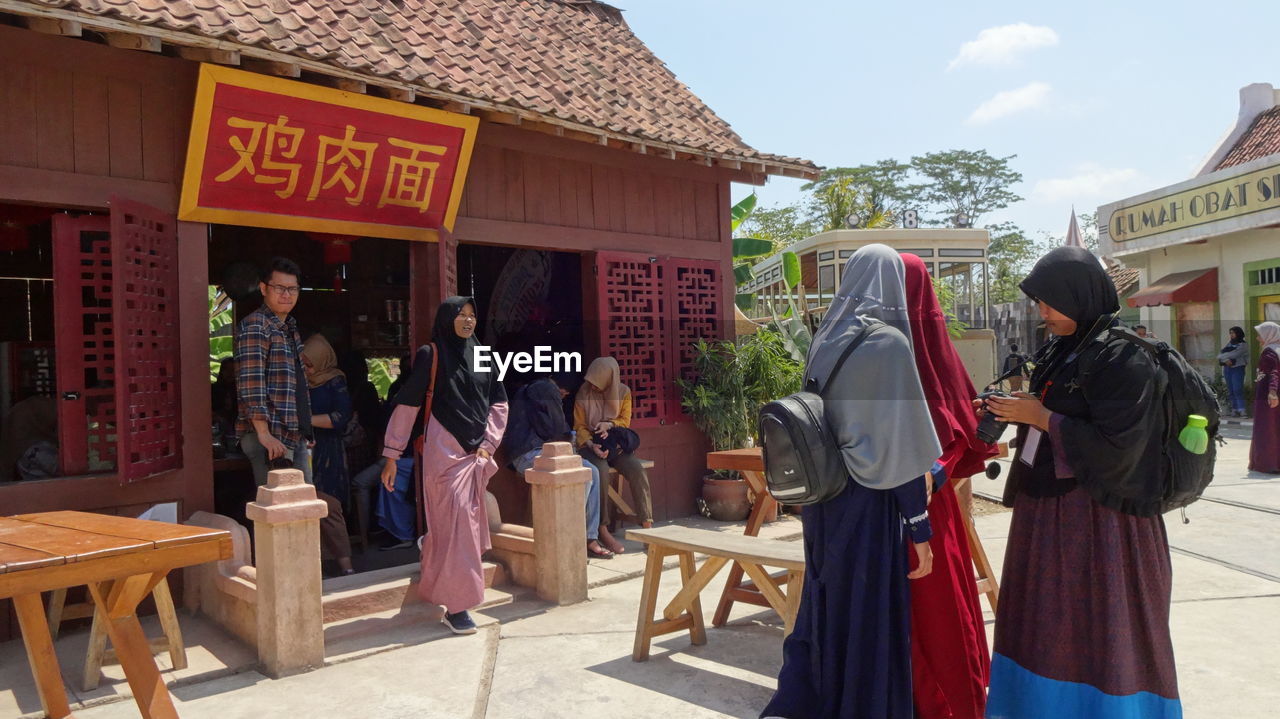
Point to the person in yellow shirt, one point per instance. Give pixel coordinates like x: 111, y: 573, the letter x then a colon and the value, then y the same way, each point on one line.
x: 602, y: 405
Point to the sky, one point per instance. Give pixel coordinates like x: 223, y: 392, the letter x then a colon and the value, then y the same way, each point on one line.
x: 1098, y: 100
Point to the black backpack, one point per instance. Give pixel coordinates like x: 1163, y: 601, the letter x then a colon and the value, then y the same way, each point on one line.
x: 802, y: 463
x: 1186, y: 475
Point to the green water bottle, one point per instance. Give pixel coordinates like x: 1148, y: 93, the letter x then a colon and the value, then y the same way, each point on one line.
x: 1193, y: 437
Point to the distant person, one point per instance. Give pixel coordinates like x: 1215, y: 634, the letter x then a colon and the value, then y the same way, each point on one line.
x: 274, y: 420
x: 468, y: 418
x: 1233, y: 358
x: 1264, y: 452
x: 31, y: 422
x: 1141, y: 331
x: 330, y: 414
x: 1015, y: 361
x: 1082, y: 629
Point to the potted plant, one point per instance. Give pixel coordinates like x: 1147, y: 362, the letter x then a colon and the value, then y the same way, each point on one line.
x: 731, y: 381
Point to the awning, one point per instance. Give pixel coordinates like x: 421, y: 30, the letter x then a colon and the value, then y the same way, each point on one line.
x: 1193, y: 286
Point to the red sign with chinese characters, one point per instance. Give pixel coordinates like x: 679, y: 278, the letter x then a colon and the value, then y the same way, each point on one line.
x: 269, y: 152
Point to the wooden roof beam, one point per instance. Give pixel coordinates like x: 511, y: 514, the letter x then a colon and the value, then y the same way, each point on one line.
x: 459, y: 107
x: 209, y: 54
x: 272, y: 67
x: 54, y: 26
x: 344, y: 84
x: 133, y: 41
x: 498, y: 117
x: 399, y: 94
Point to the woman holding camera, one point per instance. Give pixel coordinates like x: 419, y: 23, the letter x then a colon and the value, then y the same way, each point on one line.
x: 849, y: 655
x: 1083, y: 624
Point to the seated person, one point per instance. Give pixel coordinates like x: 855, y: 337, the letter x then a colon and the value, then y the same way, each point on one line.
x: 31, y: 422
x: 537, y: 417
x: 604, y: 404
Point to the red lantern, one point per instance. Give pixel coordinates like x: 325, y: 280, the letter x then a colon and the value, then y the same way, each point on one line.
x: 337, y: 248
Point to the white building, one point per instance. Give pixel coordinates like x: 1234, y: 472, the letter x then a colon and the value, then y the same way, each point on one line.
x: 1208, y: 249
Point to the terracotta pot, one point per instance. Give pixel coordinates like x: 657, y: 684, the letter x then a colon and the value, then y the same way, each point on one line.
x: 726, y: 498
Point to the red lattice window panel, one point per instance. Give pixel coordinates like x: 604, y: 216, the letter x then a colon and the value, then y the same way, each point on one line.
x: 697, y: 312
x: 144, y: 252
x: 651, y: 310
x: 84, y: 337
x: 631, y: 308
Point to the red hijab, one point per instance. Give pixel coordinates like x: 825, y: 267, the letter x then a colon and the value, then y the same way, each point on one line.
x: 946, y: 383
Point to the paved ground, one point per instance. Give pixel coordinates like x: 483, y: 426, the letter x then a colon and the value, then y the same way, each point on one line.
x: 534, y: 660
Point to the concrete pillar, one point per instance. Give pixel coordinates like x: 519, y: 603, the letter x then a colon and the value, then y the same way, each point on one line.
x: 286, y: 525
x: 559, y: 486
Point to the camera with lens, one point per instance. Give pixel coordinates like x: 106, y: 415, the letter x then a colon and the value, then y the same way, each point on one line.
x: 990, y: 428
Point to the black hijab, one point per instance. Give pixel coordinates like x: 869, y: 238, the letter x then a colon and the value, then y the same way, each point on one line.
x: 1071, y: 280
x: 462, y: 396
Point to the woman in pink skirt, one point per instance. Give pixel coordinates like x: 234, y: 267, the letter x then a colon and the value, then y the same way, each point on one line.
x: 468, y: 417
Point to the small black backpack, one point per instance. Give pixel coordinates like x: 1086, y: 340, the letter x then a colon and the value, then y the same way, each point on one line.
x: 1185, y: 475
x: 802, y: 463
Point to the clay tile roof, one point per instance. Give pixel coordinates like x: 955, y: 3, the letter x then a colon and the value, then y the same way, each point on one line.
x: 1124, y: 278
x: 568, y: 60
x: 1261, y: 139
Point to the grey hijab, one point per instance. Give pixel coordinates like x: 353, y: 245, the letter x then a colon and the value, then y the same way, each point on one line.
x: 874, y: 404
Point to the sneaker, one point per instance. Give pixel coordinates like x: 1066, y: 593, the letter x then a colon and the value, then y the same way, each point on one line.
x: 459, y: 623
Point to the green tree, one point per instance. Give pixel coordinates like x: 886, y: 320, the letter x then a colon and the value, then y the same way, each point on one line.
x: 783, y: 225
x: 879, y: 188
x: 1009, y: 257
x: 971, y: 182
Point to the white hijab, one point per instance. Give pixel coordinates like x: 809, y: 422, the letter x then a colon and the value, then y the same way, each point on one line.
x: 1269, y: 335
x: 874, y: 403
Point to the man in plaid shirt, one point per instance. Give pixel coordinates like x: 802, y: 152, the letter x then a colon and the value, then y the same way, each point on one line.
x: 275, y: 410
x: 275, y: 414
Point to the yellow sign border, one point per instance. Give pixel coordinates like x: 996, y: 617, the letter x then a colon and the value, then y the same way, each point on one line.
x: 1157, y: 203
x: 189, y: 209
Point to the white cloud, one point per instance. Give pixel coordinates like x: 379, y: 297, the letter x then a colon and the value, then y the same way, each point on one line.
x: 1002, y: 45
x: 1090, y: 182
x: 1010, y: 102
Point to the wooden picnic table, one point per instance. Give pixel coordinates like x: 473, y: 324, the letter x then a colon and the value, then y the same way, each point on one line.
x: 749, y: 462
x: 121, y: 560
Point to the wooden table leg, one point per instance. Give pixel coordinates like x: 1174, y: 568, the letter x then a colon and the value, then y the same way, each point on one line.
x: 648, y: 603
x: 795, y: 589
x: 693, y: 586
x: 44, y: 663
x: 698, y: 632
x: 118, y: 602
x: 764, y: 501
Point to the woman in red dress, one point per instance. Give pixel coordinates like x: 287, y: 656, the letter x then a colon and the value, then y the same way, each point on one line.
x: 949, y: 659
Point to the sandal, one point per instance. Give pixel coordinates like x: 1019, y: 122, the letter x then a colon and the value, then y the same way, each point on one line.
x: 600, y: 553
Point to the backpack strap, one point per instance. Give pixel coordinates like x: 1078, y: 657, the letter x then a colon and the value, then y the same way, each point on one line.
x: 426, y: 402
x: 866, y: 332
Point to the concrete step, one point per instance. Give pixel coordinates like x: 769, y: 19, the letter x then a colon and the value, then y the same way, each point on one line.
x: 368, y: 593
x: 415, y: 623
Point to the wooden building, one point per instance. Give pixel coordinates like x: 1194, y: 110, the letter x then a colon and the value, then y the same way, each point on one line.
x: 590, y: 158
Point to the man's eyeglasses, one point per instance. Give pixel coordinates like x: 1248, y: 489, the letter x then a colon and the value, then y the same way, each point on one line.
x: 285, y: 291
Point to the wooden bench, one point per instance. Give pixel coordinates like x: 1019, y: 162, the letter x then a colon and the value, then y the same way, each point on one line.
x: 616, y: 482
x: 684, y: 611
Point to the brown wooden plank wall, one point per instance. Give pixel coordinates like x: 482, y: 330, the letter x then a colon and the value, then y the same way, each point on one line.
x: 73, y: 106
x: 517, y: 186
